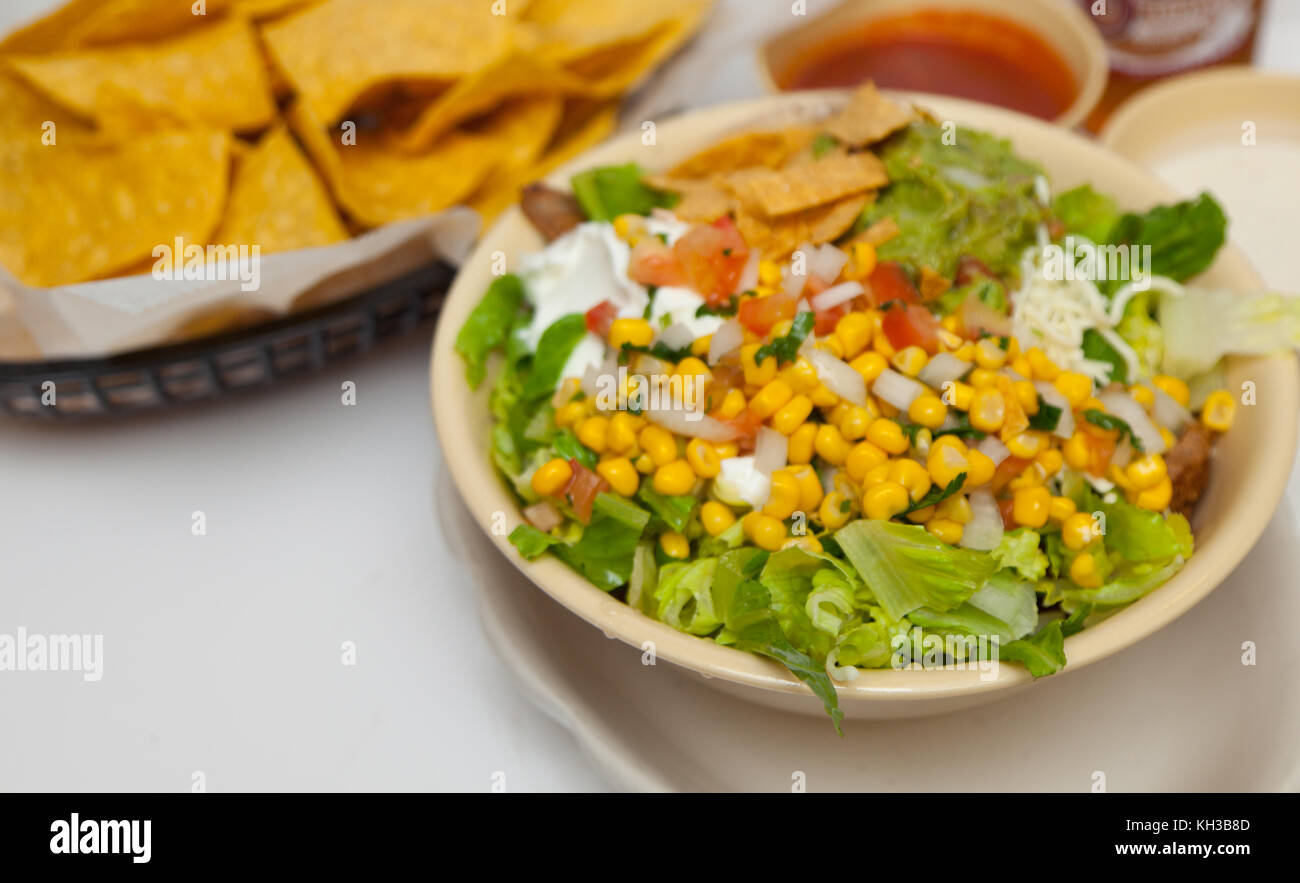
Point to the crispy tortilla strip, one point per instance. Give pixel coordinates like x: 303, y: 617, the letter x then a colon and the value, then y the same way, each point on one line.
x: 933, y: 284
x: 769, y: 149
x: 101, y: 208
x: 277, y: 201
x: 572, y: 30
x: 84, y: 23
x: 336, y: 52
x: 878, y: 233
x: 517, y: 74
x: 777, y: 238
x: 869, y: 117
x: 805, y: 185
x: 377, y: 186
x: 212, y: 76
x: 701, y: 201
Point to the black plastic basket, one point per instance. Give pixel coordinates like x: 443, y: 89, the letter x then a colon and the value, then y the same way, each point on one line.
x: 214, y: 367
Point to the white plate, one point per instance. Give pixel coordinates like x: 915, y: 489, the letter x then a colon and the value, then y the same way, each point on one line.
x: 1176, y: 712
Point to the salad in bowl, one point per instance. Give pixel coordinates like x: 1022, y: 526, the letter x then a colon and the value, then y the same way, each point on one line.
x: 862, y: 392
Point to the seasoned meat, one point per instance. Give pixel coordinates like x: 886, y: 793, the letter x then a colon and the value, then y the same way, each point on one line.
x: 1189, y: 467
x: 553, y: 212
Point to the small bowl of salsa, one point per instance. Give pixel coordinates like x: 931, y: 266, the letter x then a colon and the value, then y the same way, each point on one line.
x: 1039, y: 57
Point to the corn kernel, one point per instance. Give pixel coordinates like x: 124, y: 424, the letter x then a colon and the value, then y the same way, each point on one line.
x: 1083, y: 570
x: 1074, y: 386
x: 716, y: 518
x: 862, y: 261
x: 784, y: 498
x: 956, y: 509
x: 1146, y: 471
x: 832, y: 345
x: 1078, y: 531
x: 700, y: 346
x: 703, y: 458
x: 1031, y: 506
x: 552, y: 477
x: 884, y: 500
x: 1156, y: 498
x: 1143, y: 396
x: 830, y: 444
x: 888, y: 436
x: 1022, y: 367
x: 981, y: 470
x: 810, y: 487
x: 593, y: 432
x: 1044, y: 368
x: 928, y: 410
x: 945, y: 529
x: 945, y: 463
x: 769, y: 273
x: 675, y: 478
x: 567, y: 415
x: 693, y: 367
x: 912, y: 476
x: 807, y: 542
x: 989, y: 355
x: 1077, y: 451
x: 987, y: 409
x: 732, y: 404
x: 1174, y: 388
x: 835, y: 510
x: 644, y: 464
x: 621, y: 434
x: 768, y: 400
x: 621, y: 475
x: 1219, y: 411
x: 765, y: 531
x: 659, y: 444
x: 636, y: 332
x: 854, y: 332
x: 801, y: 375
x: 1051, y: 461
x: 877, y: 474
x: 1027, y: 445
x: 910, y: 360
x: 675, y: 545
x: 982, y: 378
x: 869, y: 365
x: 1026, y: 395
x: 958, y: 395
x: 965, y: 352
x: 792, y: 414
x: 1060, y: 509
x: 757, y: 374
x: 822, y: 397
x: 855, y: 422
x: 726, y: 450
x: 800, y: 449
x: 864, y: 457
x: 920, y: 516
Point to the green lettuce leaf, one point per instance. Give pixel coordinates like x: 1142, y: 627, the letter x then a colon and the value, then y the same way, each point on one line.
x: 684, y: 596
x: 1184, y: 237
x: 1202, y: 326
x: 906, y: 568
x: 530, y: 541
x: 489, y: 325
x: 609, y: 191
x: 1019, y: 551
x: 553, y: 351
x: 675, y: 512
x: 1085, y: 212
x: 604, y: 553
x: 1043, y: 654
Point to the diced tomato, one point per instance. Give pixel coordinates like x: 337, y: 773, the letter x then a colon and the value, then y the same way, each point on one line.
x: 910, y: 325
x: 828, y: 319
x: 970, y: 269
x: 654, y: 263
x: 1007, y: 470
x: 601, y: 317
x: 889, y: 281
x: 582, y: 490
x: 713, y: 256
x: 759, y: 314
x: 746, y: 425
x: 1005, y: 509
x: 1101, y: 447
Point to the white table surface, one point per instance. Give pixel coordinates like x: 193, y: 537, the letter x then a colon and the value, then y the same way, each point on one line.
x: 223, y: 652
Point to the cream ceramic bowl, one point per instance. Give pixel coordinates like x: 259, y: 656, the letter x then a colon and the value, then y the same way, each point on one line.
x: 1251, y: 465
x: 1061, y: 23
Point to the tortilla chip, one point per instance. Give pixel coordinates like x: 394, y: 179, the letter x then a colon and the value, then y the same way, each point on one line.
x: 263, y: 10
x: 103, y: 207
x: 776, y: 238
x: 277, y: 202
x: 84, y: 23
x: 336, y: 52
x: 869, y: 117
x: 878, y: 233
x: 621, y: 66
x: 213, y: 76
x: 29, y: 118
x: 768, y: 149
x: 830, y: 222
x: 376, y: 185
x: 805, y: 185
x: 582, y: 126
x: 701, y: 201
x: 933, y: 284
x: 518, y: 73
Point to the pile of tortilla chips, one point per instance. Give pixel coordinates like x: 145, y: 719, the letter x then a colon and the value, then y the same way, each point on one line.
x: 784, y: 188
x: 295, y: 123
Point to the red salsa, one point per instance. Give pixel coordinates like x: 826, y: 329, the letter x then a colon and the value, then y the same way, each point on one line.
x: 953, y: 52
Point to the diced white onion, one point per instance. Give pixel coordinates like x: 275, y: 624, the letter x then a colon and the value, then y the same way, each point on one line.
x: 749, y: 275
x: 543, y: 516
x: 1168, y: 412
x: 975, y: 315
x: 825, y: 261
x: 1123, y: 454
x: 992, y: 448
x: 591, y: 378
x: 726, y: 340
x: 691, y: 424
x: 896, y: 389
x: 677, y: 336
x: 985, y: 529
x: 648, y: 366
x: 836, y: 295
x: 839, y: 377
x: 793, y: 284
x: 943, y: 368
x: 1052, y: 395
x: 770, y: 450
x: 1123, y: 406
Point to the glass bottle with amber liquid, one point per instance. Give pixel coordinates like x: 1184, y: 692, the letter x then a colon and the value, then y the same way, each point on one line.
x: 1151, y: 39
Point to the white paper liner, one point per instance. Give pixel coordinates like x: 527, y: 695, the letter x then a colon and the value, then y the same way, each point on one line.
x: 94, y: 319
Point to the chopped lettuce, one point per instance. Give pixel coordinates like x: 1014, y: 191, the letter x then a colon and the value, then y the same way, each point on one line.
x: 530, y: 541
x: 609, y: 191
x: 684, y: 596
x: 604, y: 552
x: 1085, y: 212
x: 1019, y: 551
x: 673, y: 511
x: 489, y: 325
x: 1201, y: 326
x: 1011, y: 600
x: 906, y: 568
x: 1184, y: 237
x: 553, y: 351
x: 1043, y: 653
